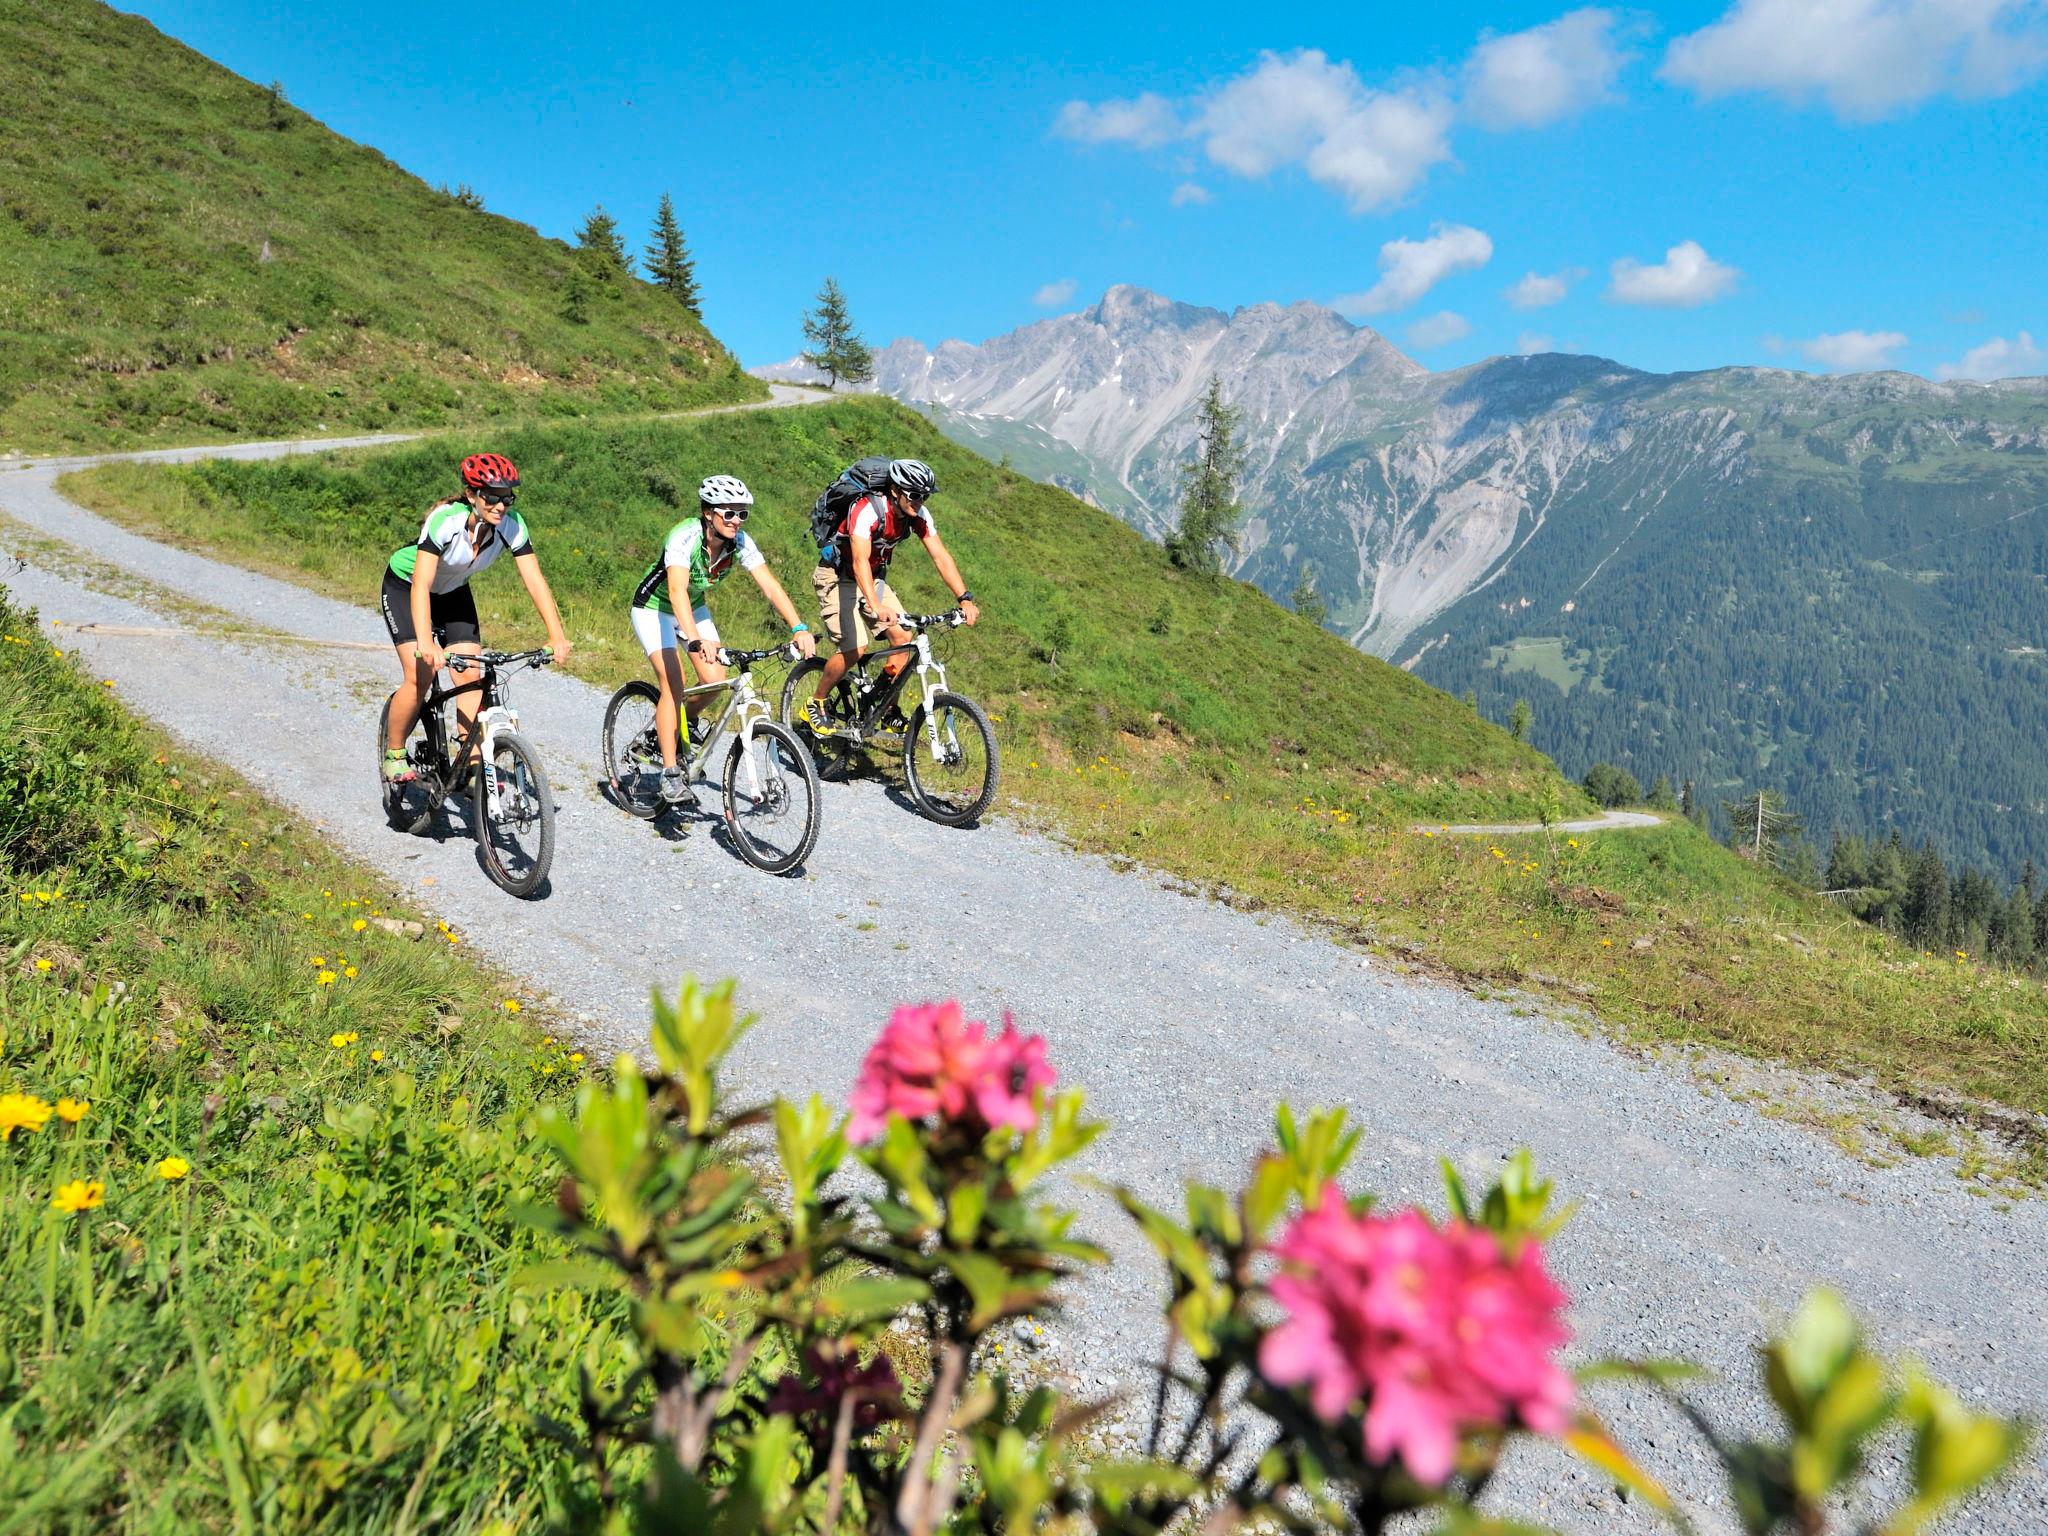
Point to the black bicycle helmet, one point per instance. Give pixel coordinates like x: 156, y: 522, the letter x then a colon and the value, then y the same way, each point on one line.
x: 914, y: 478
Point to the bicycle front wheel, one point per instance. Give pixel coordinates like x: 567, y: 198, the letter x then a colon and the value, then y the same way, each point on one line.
x: 953, y: 783
x: 515, y: 815
x: 772, y: 798
x: 632, y: 751
x: 408, y: 806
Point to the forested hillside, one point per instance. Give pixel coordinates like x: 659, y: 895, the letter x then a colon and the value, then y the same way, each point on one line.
x: 1857, y: 621
x: 186, y: 256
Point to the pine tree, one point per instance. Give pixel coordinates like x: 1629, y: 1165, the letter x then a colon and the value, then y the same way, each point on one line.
x: 669, y: 263
x: 1306, y: 600
x: 1925, y: 913
x: 1760, y: 827
x: 1520, y: 718
x: 838, y: 353
x: 1209, y: 510
x: 602, y: 248
x: 1660, y: 797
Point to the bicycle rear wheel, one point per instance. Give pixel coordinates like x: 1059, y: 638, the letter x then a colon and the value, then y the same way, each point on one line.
x: 515, y: 815
x: 772, y: 798
x: 956, y: 785
x: 631, y: 750
x: 408, y: 807
x: 835, y: 759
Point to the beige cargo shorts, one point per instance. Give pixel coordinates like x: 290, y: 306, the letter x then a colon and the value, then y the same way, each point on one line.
x: 845, y: 611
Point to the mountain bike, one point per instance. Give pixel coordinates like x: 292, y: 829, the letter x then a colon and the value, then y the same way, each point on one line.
x: 772, y: 799
x: 949, y: 750
x: 513, y: 809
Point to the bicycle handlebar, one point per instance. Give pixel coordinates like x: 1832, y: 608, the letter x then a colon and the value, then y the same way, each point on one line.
x: 502, y: 660
x: 952, y: 618
x: 727, y: 657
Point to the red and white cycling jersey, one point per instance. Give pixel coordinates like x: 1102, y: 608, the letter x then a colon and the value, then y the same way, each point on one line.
x: 884, y: 524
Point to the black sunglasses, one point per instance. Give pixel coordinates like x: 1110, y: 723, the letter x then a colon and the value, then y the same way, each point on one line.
x: 500, y: 498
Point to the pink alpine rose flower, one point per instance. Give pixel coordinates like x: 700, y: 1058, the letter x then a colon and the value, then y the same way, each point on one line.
x: 930, y: 1062
x: 1436, y: 1330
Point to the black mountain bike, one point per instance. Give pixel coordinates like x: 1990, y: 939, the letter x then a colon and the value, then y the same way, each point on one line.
x: 949, y: 750
x: 772, y: 799
x: 513, y: 809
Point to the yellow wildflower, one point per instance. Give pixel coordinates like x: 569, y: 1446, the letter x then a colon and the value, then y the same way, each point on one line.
x: 349, y: 971
x: 576, y: 1058
x: 42, y: 965
x: 1571, y: 842
x: 511, y: 1005
x: 79, y: 1195
x: 376, y: 1055
x: 358, y: 925
x: 172, y: 1169
x: 317, y: 960
x: 21, y: 1112
x: 71, y: 1111
x: 325, y: 978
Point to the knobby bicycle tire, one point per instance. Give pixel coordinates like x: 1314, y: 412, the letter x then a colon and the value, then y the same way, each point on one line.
x: 533, y: 811
x: 408, y: 807
x: 963, y: 807
x: 794, y: 763
x: 619, y: 767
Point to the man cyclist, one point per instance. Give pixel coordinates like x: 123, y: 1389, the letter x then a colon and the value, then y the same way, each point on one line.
x: 426, y: 600
x: 853, y: 596
x: 671, y: 603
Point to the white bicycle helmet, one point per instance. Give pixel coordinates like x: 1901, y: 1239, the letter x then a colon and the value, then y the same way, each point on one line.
x: 914, y: 478
x: 724, y: 491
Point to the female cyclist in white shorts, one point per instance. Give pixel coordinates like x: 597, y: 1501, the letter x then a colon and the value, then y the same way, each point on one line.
x: 670, y: 613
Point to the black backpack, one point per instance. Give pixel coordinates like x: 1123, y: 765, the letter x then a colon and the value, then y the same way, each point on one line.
x: 828, y: 513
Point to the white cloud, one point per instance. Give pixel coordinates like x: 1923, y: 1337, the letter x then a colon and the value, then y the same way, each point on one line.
x: 1052, y: 295
x: 1410, y: 268
x: 1536, y: 290
x: 1864, y: 58
x: 1534, y: 341
x: 1528, y: 79
x: 1438, y: 330
x: 1686, y: 278
x: 1372, y: 146
x: 1190, y: 192
x: 1999, y: 359
x: 1852, y: 351
x: 1146, y: 121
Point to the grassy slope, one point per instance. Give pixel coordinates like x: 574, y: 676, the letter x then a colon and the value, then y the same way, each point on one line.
x: 140, y: 186
x: 337, y: 1268
x: 1294, y: 792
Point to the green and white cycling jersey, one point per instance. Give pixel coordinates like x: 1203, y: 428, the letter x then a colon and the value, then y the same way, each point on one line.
x: 684, y: 549
x: 446, y: 533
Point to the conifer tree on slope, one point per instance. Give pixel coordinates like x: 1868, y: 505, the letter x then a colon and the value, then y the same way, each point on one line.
x: 601, y: 246
x: 1209, y: 509
x: 836, y: 348
x: 669, y: 263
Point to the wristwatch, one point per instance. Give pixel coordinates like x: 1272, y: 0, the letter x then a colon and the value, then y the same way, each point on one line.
x: 964, y: 597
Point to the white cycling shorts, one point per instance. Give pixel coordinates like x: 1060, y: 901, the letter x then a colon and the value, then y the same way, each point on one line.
x: 657, y: 630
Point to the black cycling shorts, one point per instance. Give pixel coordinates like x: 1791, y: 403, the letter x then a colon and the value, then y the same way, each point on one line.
x: 453, y: 614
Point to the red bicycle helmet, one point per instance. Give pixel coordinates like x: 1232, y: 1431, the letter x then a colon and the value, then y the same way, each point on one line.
x: 489, y: 472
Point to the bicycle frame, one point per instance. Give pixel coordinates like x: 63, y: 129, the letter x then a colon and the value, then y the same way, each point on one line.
x: 931, y: 676
x: 493, y: 719
x: 745, y: 702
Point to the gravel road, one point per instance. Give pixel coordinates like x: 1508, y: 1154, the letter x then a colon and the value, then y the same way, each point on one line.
x: 1702, y: 1222
x: 1606, y: 821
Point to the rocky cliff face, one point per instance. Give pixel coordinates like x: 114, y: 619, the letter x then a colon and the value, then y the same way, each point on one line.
x: 1406, y: 492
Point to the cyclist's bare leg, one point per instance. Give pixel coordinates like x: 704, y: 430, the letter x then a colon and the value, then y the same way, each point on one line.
x: 668, y: 674
x: 834, y: 669
x: 892, y: 669
x: 471, y: 699
x: 708, y: 671
x: 414, y: 684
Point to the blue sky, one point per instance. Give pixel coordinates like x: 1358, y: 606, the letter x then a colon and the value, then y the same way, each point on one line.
x: 1777, y: 187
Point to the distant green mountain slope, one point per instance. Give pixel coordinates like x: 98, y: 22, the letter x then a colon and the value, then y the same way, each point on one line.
x: 183, y: 258
x: 1851, y: 611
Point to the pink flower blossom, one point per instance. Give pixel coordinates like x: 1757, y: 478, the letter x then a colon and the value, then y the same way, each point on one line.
x: 1436, y: 1331
x: 929, y: 1061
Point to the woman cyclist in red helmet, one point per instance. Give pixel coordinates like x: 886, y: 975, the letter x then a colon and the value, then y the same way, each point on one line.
x: 426, y: 600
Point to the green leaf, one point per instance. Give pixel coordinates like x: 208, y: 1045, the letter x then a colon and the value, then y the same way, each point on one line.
x: 1589, y: 1440
x: 1801, y: 1364
x: 870, y: 1297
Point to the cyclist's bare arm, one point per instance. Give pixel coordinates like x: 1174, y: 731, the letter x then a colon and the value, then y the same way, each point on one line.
x: 528, y: 566
x: 949, y: 573
x: 785, y: 609
x: 425, y: 564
